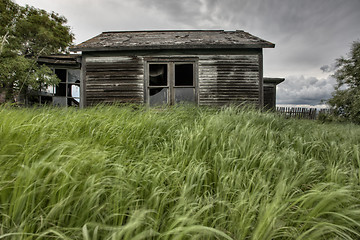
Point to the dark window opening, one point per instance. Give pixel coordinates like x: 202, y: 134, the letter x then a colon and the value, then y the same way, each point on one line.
x: 61, y: 88
x: 73, y: 102
x: 154, y: 91
x: 184, y: 75
x: 33, y: 99
x: 158, y: 75
x: 67, y: 93
x: 46, y: 100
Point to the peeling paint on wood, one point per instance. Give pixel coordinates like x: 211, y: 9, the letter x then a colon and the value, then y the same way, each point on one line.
x: 112, y: 59
x: 225, y: 79
x: 114, y: 79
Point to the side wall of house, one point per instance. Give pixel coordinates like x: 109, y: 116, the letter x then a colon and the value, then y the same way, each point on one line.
x: 111, y: 79
x: 269, y: 96
x: 223, y: 77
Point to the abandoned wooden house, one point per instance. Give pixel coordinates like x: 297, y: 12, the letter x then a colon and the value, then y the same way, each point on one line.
x: 163, y: 67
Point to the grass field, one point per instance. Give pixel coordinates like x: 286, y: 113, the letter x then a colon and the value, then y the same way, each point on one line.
x: 182, y: 173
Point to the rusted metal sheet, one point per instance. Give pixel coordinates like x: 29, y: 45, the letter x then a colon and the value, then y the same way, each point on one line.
x: 225, y: 79
x: 114, y: 79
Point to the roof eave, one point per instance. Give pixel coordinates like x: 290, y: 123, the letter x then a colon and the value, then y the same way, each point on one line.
x: 276, y: 81
x: 173, y: 47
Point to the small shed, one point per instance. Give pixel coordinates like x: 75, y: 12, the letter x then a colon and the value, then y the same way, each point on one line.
x: 270, y: 92
x: 167, y: 67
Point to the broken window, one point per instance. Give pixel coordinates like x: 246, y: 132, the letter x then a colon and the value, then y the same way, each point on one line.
x: 73, y: 86
x: 67, y: 93
x: 61, y: 88
x: 158, y: 84
x: 158, y: 96
x: 158, y: 74
x: 170, y: 83
x: 184, y: 89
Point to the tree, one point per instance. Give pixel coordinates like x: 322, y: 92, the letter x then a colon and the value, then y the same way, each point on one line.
x: 346, y: 97
x: 25, y: 34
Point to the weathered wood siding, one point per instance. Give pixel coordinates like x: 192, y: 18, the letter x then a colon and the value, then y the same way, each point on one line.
x: 222, y: 78
x: 269, y: 96
x: 225, y: 79
x: 110, y: 79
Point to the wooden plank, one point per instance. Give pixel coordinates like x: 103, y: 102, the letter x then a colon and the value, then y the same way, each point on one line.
x: 114, y: 70
x: 109, y: 78
x: 83, y: 100
x: 109, y: 59
x: 113, y: 74
x: 134, y: 85
x: 114, y: 94
x: 115, y: 79
x: 224, y: 79
x: 228, y: 83
x: 261, y: 89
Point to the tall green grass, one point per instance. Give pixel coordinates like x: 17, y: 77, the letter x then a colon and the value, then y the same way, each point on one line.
x: 181, y: 173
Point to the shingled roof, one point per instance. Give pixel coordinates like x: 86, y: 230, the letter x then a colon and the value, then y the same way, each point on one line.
x: 184, y: 39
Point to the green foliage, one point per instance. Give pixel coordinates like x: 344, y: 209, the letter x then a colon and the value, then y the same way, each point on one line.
x: 346, y: 102
x: 18, y: 73
x: 25, y: 34
x: 182, y: 173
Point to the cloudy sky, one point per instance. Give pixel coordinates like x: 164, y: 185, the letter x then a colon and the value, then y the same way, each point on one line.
x: 309, y: 34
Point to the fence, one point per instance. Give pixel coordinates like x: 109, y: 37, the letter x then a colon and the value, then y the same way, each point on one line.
x: 297, y: 112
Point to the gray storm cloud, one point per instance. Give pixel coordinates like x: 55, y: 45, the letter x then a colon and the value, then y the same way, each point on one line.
x: 305, y: 90
x: 328, y: 68
x: 307, y: 33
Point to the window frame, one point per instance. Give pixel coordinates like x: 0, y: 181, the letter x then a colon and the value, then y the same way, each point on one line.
x: 67, y: 85
x: 170, y: 78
